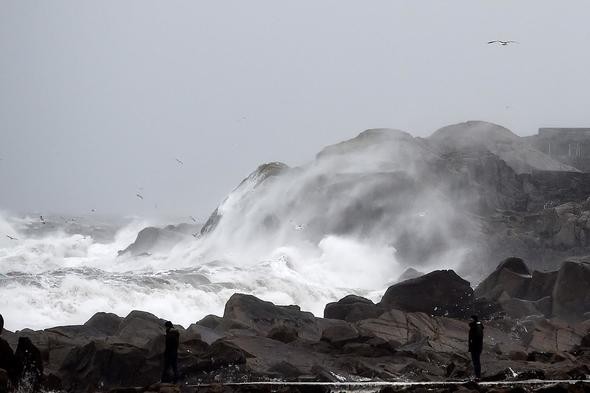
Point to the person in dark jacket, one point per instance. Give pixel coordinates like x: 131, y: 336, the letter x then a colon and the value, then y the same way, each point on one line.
x: 171, y: 352
x: 476, y: 344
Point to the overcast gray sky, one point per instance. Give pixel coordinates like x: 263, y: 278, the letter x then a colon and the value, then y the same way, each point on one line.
x: 98, y: 98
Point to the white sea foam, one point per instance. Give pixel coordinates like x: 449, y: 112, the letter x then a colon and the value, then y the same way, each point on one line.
x: 60, y: 278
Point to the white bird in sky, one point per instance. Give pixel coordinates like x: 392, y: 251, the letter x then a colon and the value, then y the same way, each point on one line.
x: 11, y: 238
x: 503, y: 43
x: 192, y: 218
x: 179, y: 161
x: 42, y: 219
x: 139, y: 196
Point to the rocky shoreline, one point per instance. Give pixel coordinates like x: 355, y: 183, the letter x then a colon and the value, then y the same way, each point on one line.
x: 537, y: 326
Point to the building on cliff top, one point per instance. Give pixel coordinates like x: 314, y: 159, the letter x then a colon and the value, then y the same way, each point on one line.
x: 568, y: 145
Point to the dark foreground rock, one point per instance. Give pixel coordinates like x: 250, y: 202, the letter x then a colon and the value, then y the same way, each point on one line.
x: 441, y: 292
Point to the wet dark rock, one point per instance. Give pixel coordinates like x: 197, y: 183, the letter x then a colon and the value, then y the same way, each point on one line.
x: 555, y: 388
x: 141, y: 328
x: 222, y: 354
x: 323, y: 374
x: 220, y: 324
x: 541, y: 285
x: 4, y: 381
x: 580, y: 372
x: 262, y: 316
x: 29, y: 364
x: 340, y: 333
x: 99, y: 364
x: 571, y: 297
x: 545, y: 357
x: 519, y: 308
x: 206, y: 334
x: 282, y: 333
x: 441, y: 292
x: 510, y: 278
x: 105, y: 323
x: 352, y: 308
x: 531, y: 374
x: 286, y: 370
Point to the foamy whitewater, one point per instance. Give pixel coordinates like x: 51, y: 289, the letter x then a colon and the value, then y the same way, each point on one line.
x: 51, y: 277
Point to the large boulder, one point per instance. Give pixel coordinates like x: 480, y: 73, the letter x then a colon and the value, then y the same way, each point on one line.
x: 352, y: 308
x: 520, y: 308
x: 222, y: 354
x: 551, y: 335
x: 264, y: 316
x: 283, y: 333
x: 100, y: 365
x: 511, y: 277
x: 571, y: 294
x: 416, y: 331
x: 140, y: 328
x: 338, y: 334
x: 541, y: 285
x: 105, y: 323
x: 441, y: 292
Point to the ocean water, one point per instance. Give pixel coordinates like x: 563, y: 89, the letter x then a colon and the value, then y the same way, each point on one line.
x: 64, y: 271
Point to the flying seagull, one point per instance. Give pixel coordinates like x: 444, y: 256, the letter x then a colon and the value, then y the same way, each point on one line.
x: 139, y: 196
x: 192, y: 218
x: 11, y: 238
x: 179, y: 161
x: 42, y: 219
x: 195, y: 235
x: 93, y: 210
x: 503, y: 43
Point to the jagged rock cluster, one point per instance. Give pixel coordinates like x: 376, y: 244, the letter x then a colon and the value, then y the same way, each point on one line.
x: 418, y: 331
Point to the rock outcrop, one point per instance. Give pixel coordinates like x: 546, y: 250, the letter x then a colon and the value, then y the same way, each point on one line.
x: 441, y: 292
x: 152, y: 240
x: 352, y: 308
x: 563, y: 294
x: 571, y: 293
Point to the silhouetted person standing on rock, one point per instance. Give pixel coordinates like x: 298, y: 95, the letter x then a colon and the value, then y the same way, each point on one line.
x: 171, y: 352
x: 476, y: 344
